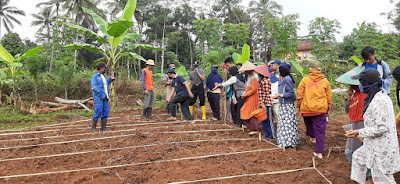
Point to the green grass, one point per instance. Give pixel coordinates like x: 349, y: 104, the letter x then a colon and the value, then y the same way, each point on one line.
x: 11, y: 118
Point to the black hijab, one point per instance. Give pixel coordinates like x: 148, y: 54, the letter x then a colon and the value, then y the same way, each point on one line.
x: 234, y: 71
x: 284, y: 71
x: 371, y: 91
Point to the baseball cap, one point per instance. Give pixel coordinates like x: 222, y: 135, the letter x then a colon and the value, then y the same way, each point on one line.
x: 368, y: 76
x: 101, y: 65
x: 277, y: 61
x: 170, y: 70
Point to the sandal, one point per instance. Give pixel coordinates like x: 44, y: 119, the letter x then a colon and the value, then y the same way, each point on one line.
x: 318, y: 155
x: 171, y: 119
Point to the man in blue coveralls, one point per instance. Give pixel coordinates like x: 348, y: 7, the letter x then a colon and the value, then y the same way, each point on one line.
x: 101, y: 96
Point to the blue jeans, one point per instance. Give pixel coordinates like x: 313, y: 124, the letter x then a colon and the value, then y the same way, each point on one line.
x: 268, y: 124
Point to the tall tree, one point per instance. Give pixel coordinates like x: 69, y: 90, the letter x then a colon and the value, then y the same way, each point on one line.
x: 45, y: 19
x: 223, y: 9
x: 285, y: 36
x: 75, y: 9
x: 322, y: 32
x: 51, y: 3
x: 6, y: 15
x: 261, y: 11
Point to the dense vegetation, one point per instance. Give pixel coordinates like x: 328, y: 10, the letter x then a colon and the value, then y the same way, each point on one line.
x: 185, y: 32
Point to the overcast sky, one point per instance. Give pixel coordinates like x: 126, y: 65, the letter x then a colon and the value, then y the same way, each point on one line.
x: 347, y: 12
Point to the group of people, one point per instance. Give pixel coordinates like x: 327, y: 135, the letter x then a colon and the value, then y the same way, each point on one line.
x: 265, y: 95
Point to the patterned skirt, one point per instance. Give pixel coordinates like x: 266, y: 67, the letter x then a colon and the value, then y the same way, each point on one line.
x: 287, y: 131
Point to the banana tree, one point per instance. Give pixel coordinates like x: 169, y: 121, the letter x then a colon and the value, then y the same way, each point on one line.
x: 115, y: 37
x: 13, y: 67
x: 244, y: 57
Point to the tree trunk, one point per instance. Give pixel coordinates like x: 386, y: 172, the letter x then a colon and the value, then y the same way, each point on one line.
x: 76, y: 53
x: 191, y: 53
x: 36, y: 93
x: 128, y: 69
x: 162, y: 52
x: 65, y: 92
x: 1, y: 94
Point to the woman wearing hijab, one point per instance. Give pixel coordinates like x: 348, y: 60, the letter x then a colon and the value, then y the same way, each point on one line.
x: 214, y: 94
x: 287, y: 133
x: 237, y: 83
x: 380, y: 151
x: 251, y: 97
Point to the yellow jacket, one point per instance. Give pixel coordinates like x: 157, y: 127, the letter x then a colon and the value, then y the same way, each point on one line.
x: 314, y: 94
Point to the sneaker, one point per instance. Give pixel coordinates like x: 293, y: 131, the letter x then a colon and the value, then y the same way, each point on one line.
x: 214, y: 119
x: 312, y: 140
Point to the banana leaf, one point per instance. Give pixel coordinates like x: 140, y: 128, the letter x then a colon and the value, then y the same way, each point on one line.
x: 181, y: 71
x: 119, y: 27
x: 236, y: 57
x: 5, y: 56
x: 357, y: 60
x: 86, y: 46
x: 100, y: 21
x: 299, y: 68
x: 346, y: 78
x: 87, y: 32
x: 129, y: 9
x: 245, y: 54
x: 143, y: 46
x: 30, y: 53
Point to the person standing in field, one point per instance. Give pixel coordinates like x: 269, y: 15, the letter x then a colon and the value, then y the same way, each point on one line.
x: 314, y: 99
x: 370, y: 62
x: 380, y: 151
x: 354, y: 108
x: 396, y: 75
x: 196, y: 79
x: 275, y: 76
x: 182, y: 95
x: 101, y: 96
x: 148, y: 87
x: 237, y: 84
x: 251, y: 98
x: 265, y: 100
x: 214, y: 94
x: 168, y: 83
x: 287, y: 130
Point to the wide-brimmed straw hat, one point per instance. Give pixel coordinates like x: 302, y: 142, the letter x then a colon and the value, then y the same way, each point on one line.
x: 150, y: 62
x: 247, y: 66
x: 263, y: 70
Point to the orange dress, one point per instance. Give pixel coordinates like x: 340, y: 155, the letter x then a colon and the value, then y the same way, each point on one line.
x: 251, y: 103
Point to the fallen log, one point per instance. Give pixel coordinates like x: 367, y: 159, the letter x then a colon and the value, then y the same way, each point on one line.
x: 64, y: 101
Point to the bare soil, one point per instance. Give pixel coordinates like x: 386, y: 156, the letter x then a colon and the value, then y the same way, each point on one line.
x: 134, y: 150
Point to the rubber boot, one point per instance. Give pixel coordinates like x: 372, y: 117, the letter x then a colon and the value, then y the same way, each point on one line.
x: 150, y: 112
x: 203, y: 108
x: 94, y: 125
x: 103, y: 125
x: 144, y: 113
x: 191, y: 110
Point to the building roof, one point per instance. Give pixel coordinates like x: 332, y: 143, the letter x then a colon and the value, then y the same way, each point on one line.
x: 304, y: 45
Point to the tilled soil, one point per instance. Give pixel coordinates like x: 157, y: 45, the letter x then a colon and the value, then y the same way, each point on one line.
x: 134, y: 150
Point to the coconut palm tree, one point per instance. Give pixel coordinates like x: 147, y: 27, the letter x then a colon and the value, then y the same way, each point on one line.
x: 6, y: 15
x: 52, y: 3
x: 265, y: 8
x: 74, y: 8
x: 45, y: 19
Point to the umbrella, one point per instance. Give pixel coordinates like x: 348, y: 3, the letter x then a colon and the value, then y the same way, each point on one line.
x: 346, y: 78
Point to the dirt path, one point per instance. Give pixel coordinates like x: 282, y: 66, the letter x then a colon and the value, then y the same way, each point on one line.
x: 160, y: 151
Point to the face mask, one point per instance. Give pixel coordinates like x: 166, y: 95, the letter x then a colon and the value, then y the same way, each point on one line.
x: 364, y: 89
x: 214, y: 70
